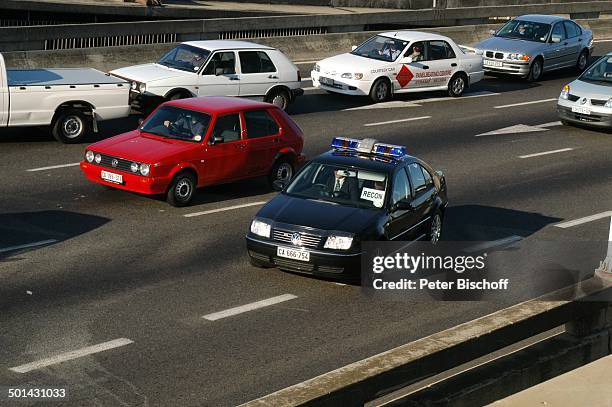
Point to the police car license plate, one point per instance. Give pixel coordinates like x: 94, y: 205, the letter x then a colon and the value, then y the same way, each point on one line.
x: 326, y: 81
x: 488, y: 62
x: 111, y: 177
x: 301, y: 255
x: 581, y: 110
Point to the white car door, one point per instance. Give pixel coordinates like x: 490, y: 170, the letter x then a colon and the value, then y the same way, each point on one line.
x: 410, y: 76
x: 257, y: 73
x: 441, y: 63
x: 219, y: 76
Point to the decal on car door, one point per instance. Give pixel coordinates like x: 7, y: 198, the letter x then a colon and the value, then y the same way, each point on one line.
x: 404, y: 76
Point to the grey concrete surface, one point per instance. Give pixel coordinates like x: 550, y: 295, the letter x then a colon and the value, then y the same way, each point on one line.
x: 128, y: 266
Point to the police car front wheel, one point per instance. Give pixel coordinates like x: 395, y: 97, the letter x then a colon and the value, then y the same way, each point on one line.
x: 435, y: 228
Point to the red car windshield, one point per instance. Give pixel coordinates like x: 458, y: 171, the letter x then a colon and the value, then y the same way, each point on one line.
x: 177, y: 123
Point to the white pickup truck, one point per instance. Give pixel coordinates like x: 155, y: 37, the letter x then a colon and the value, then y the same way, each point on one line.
x: 70, y: 100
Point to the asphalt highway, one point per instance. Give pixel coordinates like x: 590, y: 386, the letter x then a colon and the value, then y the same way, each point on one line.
x: 107, y: 265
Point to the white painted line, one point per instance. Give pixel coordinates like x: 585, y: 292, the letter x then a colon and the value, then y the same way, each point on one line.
x: 306, y: 79
x: 464, y: 96
x: 493, y: 244
x: 609, y: 40
x: 516, y: 129
x: 249, y: 307
x: 53, y: 167
x: 305, y: 62
x: 417, y: 103
x: 561, y: 150
x: 397, y: 121
x: 229, y: 208
x: 309, y: 88
x: 586, y: 219
x: 533, y: 102
x: 75, y: 354
x: 27, y: 245
x: 551, y: 124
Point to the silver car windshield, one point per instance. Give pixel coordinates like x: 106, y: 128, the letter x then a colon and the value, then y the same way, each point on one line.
x: 600, y: 71
x: 382, y: 48
x: 524, y: 30
x: 185, y: 57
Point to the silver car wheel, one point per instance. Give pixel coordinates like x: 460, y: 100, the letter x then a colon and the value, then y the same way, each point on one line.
x: 382, y: 91
x: 183, y: 189
x: 458, y: 85
x: 536, y: 70
x: 72, y: 126
x: 582, y: 61
x: 436, y: 229
x: 284, y: 172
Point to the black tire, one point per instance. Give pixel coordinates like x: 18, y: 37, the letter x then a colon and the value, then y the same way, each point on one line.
x: 71, y: 126
x: 178, y: 95
x: 282, y: 169
x: 381, y: 90
x: 457, y: 85
x: 583, y: 61
x: 435, y: 227
x: 279, y: 97
x: 565, y: 122
x: 535, y: 72
x: 181, y: 189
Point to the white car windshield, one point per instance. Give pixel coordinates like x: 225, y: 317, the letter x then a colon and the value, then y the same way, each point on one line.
x: 341, y: 185
x: 382, y: 48
x: 524, y: 30
x: 600, y: 72
x: 185, y: 57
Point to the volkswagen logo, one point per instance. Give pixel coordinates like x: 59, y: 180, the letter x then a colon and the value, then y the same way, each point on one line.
x: 114, y: 162
x: 296, y: 239
x: 583, y: 101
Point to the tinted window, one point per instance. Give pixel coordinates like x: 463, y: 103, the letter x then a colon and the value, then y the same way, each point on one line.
x: 440, y: 50
x: 401, y: 187
x: 255, y: 62
x: 417, y: 177
x: 572, y: 29
x: 416, y: 51
x: 428, y: 178
x: 227, y: 127
x: 259, y: 123
x: 177, y: 123
x: 558, y: 30
x: 223, y: 60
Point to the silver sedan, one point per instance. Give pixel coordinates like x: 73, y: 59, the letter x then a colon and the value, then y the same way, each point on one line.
x: 530, y: 45
x: 588, y: 99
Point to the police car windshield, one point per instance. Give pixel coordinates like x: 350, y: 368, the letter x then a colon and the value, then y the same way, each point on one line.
x: 600, y: 72
x: 382, y: 48
x: 524, y: 30
x: 185, y: 57
x: 177, y: 123
x: 341, y: 185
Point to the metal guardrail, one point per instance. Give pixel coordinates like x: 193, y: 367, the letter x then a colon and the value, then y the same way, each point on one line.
x: 132, y: 33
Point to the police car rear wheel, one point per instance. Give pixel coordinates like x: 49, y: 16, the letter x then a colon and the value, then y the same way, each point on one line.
x: 381, y: 91
x: 435, y: 229
x: 181, y: 190
x: 456, y: 86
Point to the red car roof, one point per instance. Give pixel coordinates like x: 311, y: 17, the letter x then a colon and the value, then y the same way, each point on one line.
x: 218, y: 104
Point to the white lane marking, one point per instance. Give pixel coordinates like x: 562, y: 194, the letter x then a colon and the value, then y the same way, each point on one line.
x: 494, y: 243
x: 306, y: 79
x: 518, y: 128
x: 229, y: 208
x: 561, y: 150
x: 53, y: 167
x: 309, y: 88
x: 305, y: 62
x: 249, y: 307
x: 609, y: 40
x: 75, y: 354
x: 416, y: 103
x: 586, y: 219
x: 533, y: 102
x: 27, y: 245
x: 550, y: 124
x: 411, y: 119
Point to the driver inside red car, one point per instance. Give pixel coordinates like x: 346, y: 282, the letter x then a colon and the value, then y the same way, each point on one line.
x: 187, y: 125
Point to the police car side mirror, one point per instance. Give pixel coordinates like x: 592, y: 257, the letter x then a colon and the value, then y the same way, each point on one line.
x: 278, y: 185
x: 403, y: 205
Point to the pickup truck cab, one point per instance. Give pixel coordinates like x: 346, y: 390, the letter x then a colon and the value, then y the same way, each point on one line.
x: 215, y: 68
x: 70, y: 100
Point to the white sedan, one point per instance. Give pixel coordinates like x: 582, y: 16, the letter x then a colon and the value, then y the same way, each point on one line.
x: 399, y: 62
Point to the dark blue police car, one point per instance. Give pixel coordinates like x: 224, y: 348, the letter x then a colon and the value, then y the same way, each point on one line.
x: 361, y: 190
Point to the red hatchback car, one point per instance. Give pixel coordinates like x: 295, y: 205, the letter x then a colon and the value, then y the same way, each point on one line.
x: 191, y: 143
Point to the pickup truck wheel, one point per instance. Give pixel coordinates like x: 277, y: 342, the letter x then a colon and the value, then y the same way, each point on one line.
x: 279, y: 97
x: 71, y: 126
x: 181, y: 190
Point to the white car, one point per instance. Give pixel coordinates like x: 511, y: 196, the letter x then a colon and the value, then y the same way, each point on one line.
x: 70, y: 100
x: 215, y: 68
x: 399, y: 62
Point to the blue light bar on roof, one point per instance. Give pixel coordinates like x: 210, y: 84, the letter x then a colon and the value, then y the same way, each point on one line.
x: 390, y: 150
x: 344, y: 143
x: 368, y: 146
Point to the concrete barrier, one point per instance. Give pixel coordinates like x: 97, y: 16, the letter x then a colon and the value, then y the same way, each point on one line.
x: 307, y: 48
x: 584, y: 309
x: 95, y: 35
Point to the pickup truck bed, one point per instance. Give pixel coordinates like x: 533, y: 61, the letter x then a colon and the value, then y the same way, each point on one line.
x: 59, y: 76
